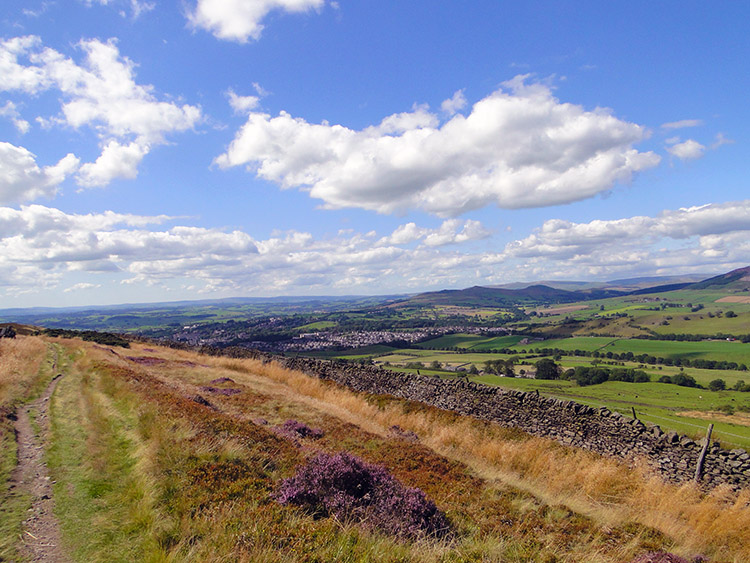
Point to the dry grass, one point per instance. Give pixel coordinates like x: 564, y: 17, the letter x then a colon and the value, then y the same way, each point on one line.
x: 717, y: 523
x: 20, y: 361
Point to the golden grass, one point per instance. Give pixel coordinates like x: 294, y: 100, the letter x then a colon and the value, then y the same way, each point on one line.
x: 605, y: 489
x: 20, y: 361
x: 741, y: 418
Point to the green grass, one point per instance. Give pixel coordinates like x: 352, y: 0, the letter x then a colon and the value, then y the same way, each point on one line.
x: 320, y: 325
x: 653, y: 402
x: 101, y: 501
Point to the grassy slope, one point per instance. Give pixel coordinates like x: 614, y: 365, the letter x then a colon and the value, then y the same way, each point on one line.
x: 145, y: 473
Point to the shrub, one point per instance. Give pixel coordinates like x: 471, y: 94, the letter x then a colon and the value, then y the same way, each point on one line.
x: 717, y: 385
x: 684, y: 380
x: 641, y: 377
x: 352, y: 490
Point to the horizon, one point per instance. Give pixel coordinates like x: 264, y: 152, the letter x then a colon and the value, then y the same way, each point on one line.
x: 302, y: 297
x: 152, y: 154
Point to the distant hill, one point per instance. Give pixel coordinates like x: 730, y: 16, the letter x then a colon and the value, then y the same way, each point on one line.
x: 738, y: 279
x: 478, y: 296
x: 558, y: 292
x: 625, y: 284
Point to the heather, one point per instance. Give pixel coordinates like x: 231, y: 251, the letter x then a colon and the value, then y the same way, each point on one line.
x: 293, y: 429
x: 350, y: 490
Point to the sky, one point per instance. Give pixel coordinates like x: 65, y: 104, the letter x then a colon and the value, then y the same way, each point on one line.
x: 166, y: 150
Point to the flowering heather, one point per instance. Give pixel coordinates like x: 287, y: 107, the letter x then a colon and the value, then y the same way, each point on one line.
x: 352, y: 490
x: 294, y: 429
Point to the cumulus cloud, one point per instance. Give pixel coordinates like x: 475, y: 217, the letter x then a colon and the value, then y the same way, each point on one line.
x: 116, y: 161
x: 452, y: 231
x: 519, y: 147
x: 48, y: 243
x: 240, y: 20
x: 693, y: 237
x: 687, y: 150
x: 242, y: 104
x: 453, y: 105
x: 45, y: 248
x: 10, y: 111
x: 100, y: 93
x: 21, y: 178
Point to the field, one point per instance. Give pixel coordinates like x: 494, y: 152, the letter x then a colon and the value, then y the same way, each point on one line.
x: 165, y: 455
x: 662, y: 404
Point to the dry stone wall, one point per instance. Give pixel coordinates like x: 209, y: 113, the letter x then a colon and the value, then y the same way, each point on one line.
x: 567, y: 422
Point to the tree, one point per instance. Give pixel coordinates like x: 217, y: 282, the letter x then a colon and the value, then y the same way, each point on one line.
x: 473, y: 370
x: 717, y: 385
x: 436, y: 365
x: 547, y: 369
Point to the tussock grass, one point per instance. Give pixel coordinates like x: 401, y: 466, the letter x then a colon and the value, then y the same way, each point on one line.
x: 21, y: 360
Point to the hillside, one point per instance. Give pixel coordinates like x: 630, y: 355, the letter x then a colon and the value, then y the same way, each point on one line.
x: 478, y: 296
x: 161, y: 454
x: 737, y: 280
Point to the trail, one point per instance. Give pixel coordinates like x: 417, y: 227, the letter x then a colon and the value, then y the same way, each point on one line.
x: 41, y: 532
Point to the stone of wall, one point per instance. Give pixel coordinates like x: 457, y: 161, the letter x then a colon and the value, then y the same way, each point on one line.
x: 608, y: 433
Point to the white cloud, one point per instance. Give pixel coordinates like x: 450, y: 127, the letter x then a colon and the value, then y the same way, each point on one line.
x: 100, y: 93
x: 687, y: 150
x: 47, y: 249
x: 10, y: 111
x: 451, y: 231
x: 16, y: 76
x: 81, y: 287
x: 22, y: 180
x: 240, y: 20
x: 242, y: 104
x: 137, y: 7
x: 720, y: 140
x: 682, y: 124
x: 696, y: 238
x: 116, y: 161
x: 453, y: 105
x: 519, y: 147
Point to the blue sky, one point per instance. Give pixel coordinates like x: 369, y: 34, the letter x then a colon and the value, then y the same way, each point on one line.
x: 156, y: 151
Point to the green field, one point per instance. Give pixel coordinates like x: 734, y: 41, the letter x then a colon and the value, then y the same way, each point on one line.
x: 719, y: 350
x: 658, y: 403
x: 471, y: 342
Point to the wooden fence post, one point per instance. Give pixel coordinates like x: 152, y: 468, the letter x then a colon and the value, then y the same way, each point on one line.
x: 702, y: 457
x: 635, y: 416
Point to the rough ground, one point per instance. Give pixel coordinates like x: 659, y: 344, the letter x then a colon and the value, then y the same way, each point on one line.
x: 41, y: 532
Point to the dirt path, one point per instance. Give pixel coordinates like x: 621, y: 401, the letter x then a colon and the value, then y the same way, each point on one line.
x: 41, y: 532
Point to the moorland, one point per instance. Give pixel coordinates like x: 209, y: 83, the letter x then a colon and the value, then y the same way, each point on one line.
x: 157, y: 452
